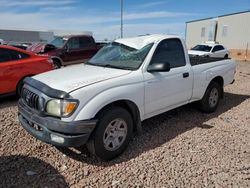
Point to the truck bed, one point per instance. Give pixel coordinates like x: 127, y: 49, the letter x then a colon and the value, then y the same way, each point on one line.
x: 197, y: 60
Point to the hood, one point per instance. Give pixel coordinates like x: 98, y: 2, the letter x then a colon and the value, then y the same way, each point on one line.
x: 199, y: 53
x: 40, y: 48
x: 77, y: 76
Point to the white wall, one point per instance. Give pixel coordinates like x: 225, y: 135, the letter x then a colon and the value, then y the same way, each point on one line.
x: 46, y: 36
x: 193, y: 32
x: 237, y: 35
x: 65, y: 32
x: 238, y: 31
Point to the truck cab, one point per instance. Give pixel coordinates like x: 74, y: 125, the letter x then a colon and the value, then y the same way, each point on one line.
x: 102, y: 102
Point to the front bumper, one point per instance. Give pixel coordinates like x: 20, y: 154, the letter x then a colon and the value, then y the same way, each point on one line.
x: 54, y: 131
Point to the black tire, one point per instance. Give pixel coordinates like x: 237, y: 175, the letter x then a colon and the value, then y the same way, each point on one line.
x: 56, y: 64
x: 208, y: 104
x: 226, y: 56
x: 96, y: 144
x: 19, y: 88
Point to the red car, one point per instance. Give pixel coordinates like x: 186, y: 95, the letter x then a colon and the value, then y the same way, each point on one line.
x: 16, y: 64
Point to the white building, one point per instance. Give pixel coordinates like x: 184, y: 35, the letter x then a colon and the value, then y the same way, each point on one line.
x: 22, y: 36
x: 231, y: 30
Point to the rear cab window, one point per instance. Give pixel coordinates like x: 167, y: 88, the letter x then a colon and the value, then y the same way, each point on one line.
x: 80, y: 43
x: 85, y: 42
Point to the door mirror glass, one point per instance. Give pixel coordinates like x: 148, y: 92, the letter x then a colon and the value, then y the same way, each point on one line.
x: 159, y: 67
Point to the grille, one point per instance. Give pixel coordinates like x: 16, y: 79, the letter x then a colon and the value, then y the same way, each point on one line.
x: 30, y: 98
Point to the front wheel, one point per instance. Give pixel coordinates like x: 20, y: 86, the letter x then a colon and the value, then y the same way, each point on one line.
x: 56, y: 64
x: 211, y: 98
x: 112, y: 134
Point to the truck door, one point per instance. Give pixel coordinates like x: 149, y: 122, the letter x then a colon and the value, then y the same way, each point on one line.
x: 88, y: 48
x: 72, y: 53
x: 167, y: 90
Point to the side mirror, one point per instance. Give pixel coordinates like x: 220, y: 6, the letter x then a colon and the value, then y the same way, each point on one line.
x: 159, y: 67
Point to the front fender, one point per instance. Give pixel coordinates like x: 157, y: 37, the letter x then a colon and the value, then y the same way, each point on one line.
x: 133, y: 93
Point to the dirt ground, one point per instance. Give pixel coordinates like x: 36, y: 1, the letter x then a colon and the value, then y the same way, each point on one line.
x: 180, y: 148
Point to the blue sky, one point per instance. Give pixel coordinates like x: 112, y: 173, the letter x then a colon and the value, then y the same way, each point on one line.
x: 103, y: 17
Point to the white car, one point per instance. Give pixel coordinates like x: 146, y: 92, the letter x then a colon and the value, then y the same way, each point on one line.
x: 1, y: 41
x: 101, y: 103
x: 209, y: 50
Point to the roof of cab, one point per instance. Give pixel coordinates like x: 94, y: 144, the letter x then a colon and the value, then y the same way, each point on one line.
x: 141, y: 41
x: 71, y: 36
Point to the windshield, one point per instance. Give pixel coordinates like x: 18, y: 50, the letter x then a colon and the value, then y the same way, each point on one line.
x: 116, y: 55
x: 204, y: 48
x: 58, y: 42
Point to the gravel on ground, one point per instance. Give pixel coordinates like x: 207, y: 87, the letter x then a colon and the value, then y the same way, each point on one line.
x: 180, y: 148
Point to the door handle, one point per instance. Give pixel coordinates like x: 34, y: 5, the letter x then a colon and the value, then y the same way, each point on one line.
x: 185, y: 75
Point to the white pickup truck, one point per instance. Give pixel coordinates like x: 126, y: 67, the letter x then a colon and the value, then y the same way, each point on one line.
x: 101, y: 103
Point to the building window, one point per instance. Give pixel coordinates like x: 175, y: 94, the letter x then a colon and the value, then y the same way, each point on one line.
x: 224, y: 31
x: 203, y: 31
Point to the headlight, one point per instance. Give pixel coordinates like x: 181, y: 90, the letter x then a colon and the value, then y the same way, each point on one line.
x: 61, y: 108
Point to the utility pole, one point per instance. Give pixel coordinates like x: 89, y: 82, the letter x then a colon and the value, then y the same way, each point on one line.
x: 121, y: 18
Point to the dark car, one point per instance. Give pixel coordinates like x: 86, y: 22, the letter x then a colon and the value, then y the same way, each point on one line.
x: 68, y: 50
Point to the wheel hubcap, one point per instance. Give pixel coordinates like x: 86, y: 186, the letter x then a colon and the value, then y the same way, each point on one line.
x: 213, y: 98
x: 115, y: 134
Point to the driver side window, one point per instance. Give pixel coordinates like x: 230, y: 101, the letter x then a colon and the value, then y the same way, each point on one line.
x: 73, y: 43
x: 170, y: 51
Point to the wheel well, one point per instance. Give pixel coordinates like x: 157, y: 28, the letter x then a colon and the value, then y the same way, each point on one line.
x: 130, y: 107
x: 22, y: 80
x: 57, y: 60
x: 220, y: 81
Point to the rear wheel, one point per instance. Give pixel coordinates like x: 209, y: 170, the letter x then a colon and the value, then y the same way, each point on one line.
x: 112, y: 134
x: 211, y: 98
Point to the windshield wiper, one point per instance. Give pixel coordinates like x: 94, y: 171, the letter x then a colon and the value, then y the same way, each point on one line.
x: 110, y: 66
